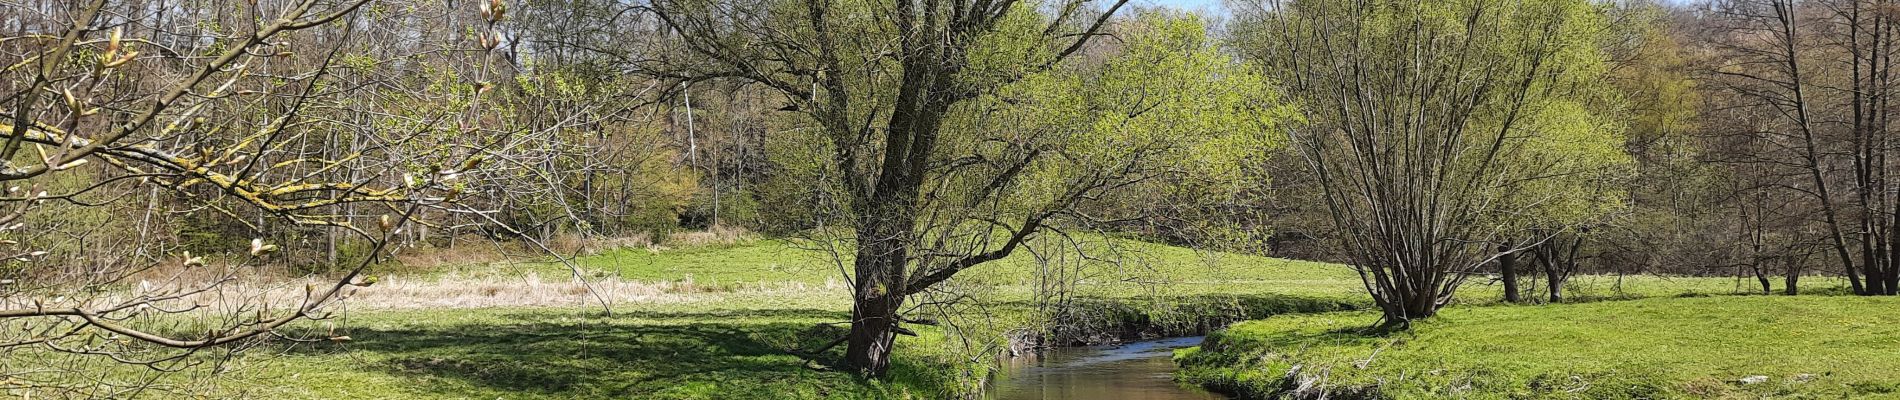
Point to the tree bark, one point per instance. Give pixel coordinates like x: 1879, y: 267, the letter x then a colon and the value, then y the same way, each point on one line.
x: 1755, y: 240
x: 1762, y: 277
x: 868, y: 347
x: 1554, y: 282
x: 886, y: 225
x: 1791, y: 289
x: 1891, y: 277
x: 1507, y: 270
x: 1876, y: 279
x: 881, y: 259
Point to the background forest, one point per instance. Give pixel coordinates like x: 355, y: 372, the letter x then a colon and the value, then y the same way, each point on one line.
x: 879, y: 199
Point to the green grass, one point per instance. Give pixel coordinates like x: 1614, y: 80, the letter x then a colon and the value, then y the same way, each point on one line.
x: 732, y: 339
x: 1146, y: 269
x: 736, y: 344
x: 1143, y: 267
x: 1694, y: 347
x: 651, y: 353
x: 747, y: 262
x: 740, y: 349
x: 732, y: 336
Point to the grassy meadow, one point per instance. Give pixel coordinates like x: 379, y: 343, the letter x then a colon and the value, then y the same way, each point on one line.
x: 659, y: 199
x: 724, y: 321
x: 1692, y: 347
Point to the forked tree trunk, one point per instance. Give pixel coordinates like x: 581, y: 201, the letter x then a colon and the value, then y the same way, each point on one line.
x: 1555, y: 282
x: 1755, y: 240
x: 1791, y: 269
x: 1559, y: 262
x: 1423, y: 306
x: 1762, y: 277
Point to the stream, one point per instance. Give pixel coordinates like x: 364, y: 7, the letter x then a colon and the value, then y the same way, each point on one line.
x: 1132, y: 371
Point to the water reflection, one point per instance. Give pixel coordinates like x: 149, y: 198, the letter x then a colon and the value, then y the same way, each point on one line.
x: 1134, y: 371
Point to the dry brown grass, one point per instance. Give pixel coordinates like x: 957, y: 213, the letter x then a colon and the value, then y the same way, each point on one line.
x: 717, y: 235
x: 442, y: 292
x: 476, y: 250
x: 463, y: 250
x: 583, y: 245
x: 531, y: 290
x: 416, y: 283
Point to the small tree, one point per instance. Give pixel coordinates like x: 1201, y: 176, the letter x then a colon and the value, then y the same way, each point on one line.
x: 1441, y: 129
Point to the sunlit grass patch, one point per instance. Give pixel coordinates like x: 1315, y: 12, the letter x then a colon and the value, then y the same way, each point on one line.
x: 1703, y: 347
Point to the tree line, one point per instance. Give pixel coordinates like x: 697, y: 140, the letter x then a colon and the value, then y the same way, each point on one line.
x: 1433, y: 146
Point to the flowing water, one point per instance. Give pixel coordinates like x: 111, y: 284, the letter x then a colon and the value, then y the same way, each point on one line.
x: 1133, y: 371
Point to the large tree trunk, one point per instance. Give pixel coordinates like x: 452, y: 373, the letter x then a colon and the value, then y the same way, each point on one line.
x: 1889, y: 274
x: 1876, y: 279
x: 872, y: 333
x: 885, y: 226
x: 1893, y: 281
x: 881, y: 254
x: 1507, y: 270
x: 1411, y: 306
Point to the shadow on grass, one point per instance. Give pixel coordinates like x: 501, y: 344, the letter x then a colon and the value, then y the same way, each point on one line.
x: 712, y: 354
x: 716, y: 354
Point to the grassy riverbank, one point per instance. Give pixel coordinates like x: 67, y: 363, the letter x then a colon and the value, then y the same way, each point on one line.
x: 722, y: 321
x: 1698, y: 347
x: 733, y: 314
x: 741, y: 349
x: 719, y: 321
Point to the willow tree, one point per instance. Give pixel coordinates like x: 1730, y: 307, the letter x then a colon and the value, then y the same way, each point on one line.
x: 1439, y: 130
x: 950, y: 133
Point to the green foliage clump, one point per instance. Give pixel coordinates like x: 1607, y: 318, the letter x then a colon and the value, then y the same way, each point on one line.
x: 1167, y: 102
